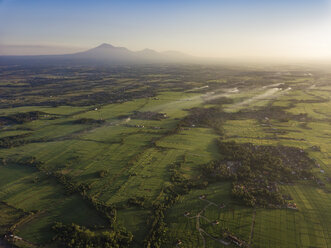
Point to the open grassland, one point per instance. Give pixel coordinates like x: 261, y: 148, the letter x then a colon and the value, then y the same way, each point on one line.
x: 24, y: 188
x: 137, y: 142
x: 120, y: 147
x: 308, y: 227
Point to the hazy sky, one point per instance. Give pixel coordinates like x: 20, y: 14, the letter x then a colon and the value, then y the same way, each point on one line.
x: 213, y: 28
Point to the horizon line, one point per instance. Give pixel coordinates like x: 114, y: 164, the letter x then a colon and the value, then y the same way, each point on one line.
x: 61, y: 50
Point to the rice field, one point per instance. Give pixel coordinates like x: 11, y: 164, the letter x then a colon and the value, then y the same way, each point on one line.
x: 124, y: 158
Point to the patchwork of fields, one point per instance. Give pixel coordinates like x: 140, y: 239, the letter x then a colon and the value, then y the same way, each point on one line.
x: 90, y: 142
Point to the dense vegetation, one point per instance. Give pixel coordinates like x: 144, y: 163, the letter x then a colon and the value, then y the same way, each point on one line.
x: 21, y: 118
x: 80, y: 237
x: 88, y: 121
x: 12, y: 141
x: 149, y: 115
x: 256, y: 172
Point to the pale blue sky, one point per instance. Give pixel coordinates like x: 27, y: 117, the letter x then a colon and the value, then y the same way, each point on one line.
x: 217, y: 28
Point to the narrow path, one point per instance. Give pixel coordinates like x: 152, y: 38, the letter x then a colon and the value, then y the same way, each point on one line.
x: 201, y: 230
x: 218, y: 240
x: 252, y: 228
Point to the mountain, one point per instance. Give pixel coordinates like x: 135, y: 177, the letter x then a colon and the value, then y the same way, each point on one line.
x: 103, y: 54
x: 111, y: 54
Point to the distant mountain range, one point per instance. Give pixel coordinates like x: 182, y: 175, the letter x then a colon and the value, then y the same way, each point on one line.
x: 103, y: 54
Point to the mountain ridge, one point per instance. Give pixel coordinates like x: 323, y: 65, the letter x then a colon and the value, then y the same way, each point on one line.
x: 104, y: 53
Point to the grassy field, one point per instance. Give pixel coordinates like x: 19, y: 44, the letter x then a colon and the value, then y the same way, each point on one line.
x: 121, y: 157
x: 308, y: 227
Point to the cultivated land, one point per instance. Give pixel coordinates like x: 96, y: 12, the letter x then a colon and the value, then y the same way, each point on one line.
x: 165, y: 156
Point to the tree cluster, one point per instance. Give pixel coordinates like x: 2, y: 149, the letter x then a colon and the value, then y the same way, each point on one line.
x: 205, y: 117
x: 180, y: 186
x: 20, y: 118
x: 148, y: 115
x: 71, y: 187
x: 88, y: 121
x: 14, y: 140
x: 255, y: 172
x: 75, y: 236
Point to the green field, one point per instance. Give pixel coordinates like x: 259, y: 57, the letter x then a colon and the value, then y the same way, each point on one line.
x: 89, y: 143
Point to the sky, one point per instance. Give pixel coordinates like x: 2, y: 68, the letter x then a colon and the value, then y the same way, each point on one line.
x: 206, y: 28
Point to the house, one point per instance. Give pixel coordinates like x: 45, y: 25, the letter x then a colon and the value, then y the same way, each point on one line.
x: 187, y: 213
x: 12, y: 236
x: 17, y: 238
x: 292, y: 206
x: 202, y: 197
x: 235, y: 240
x: 179, y: 242
x: 215, y: 222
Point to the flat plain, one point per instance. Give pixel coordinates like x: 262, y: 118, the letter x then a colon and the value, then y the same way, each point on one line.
x: 151, y: 142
